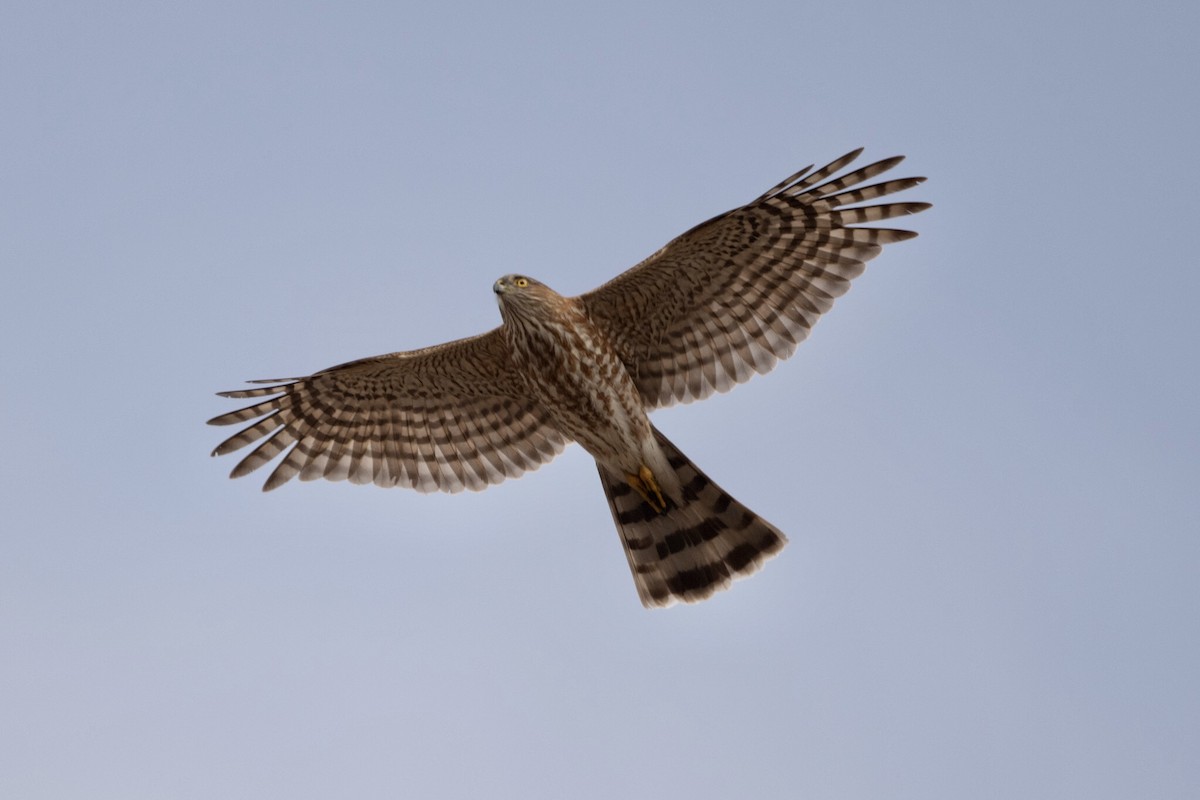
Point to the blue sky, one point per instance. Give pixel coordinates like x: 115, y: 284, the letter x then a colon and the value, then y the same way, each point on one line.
x: 986, y: 456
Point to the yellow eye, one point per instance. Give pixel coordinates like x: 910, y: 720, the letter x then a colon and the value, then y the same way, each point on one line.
x: 521, y: 283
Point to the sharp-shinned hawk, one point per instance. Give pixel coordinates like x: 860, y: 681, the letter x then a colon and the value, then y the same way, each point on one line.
x: 722, y: 302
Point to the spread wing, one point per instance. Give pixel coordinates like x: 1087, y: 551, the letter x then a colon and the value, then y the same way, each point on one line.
x: 444, y: 418
x: 734, y: 295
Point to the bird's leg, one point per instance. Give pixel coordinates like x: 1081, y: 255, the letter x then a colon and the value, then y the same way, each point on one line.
x: 645, y: 485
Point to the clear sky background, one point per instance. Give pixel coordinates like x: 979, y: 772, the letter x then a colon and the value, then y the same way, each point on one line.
x: 986, y: 456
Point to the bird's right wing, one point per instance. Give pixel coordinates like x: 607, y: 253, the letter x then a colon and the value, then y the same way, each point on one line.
x: 444, y: 418
x: 733, y: 295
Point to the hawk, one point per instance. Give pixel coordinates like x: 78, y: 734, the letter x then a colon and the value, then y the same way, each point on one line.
x: 722, y: 302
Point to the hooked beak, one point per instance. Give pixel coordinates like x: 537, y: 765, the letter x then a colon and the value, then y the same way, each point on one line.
x: 500, y: 287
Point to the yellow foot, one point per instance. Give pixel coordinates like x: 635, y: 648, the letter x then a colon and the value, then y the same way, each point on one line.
x: 645, y: 485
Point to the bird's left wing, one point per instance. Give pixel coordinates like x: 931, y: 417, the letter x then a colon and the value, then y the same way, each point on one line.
x: 732, y: 296
x: 440, y: 419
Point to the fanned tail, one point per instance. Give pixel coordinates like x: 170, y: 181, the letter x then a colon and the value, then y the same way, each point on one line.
x: 697, y: 546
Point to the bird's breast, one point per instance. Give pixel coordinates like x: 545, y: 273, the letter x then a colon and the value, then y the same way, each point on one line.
x: 571, y: 368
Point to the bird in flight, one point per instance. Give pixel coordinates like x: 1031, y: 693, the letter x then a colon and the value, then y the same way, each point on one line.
x: 722, y: 302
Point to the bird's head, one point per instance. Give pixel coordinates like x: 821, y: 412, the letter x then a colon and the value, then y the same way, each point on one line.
x: 521, y: 296
x: 515, y: 285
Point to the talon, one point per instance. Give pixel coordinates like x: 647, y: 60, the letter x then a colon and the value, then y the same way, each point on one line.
x: 645, y: 485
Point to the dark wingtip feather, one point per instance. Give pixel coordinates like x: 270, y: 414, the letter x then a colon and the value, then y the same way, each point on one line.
x: 228, y: 418
x: 279, y: 386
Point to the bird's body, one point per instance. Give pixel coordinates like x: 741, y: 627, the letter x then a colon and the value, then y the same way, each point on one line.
x: 570, y: 367
x: 722, y: 302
